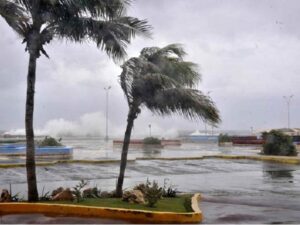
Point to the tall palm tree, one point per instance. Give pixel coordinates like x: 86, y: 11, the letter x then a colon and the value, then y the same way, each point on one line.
x: 40, y: 21
x: 160, y: 80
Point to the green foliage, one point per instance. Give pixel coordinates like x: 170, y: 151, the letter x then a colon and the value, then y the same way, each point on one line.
x: 141, y: 187
x: 163, y: 205
x: 224, y: 138
x: 92, y: 193
x: 151, y: 141
x: 162, y: 81
x: 169, y: 191
x: 152, y: 193
x: 49, y: 141
x: 45, y: 196
x: 277, y: 143
x: 103, y: 22
x: 188, y: 204
x: 77, y: 190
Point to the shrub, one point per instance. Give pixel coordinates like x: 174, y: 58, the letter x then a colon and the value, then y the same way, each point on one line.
x: 152, y: 141
x: 91, y: 193
x: 49, y: 141
x: 188, y: 204
x: 77, y: 190
x: 153, y: 193
x: 141, y: 187
x: 45, y: 196
x: 170, y: 191
x: 277, y: 143
x: 224, y: 138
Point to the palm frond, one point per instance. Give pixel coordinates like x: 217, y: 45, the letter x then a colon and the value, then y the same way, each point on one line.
x: 172, y: 50
x: 190, y: 103
x: 131, y: 70
x: 112, y: 36
x: 78, y: 8
x: 14, y: 15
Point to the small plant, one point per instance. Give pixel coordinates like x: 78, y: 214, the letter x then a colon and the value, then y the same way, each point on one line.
x: 153, y: 193
x: 224, y: 138
x: 141, y: 187
x: 14, y: 198
x: 77, y: 190
x: 188, y: 204
x: 277, y: 143
x: 49, y: 141
x: 170, y: 191
x: 17, y: 198
x: 45, y: 196
x: 151, y: 141
x: 91, y: 193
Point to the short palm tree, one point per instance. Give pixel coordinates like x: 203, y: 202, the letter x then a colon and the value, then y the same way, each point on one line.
x: 40, y: 21
x: 160, y: 80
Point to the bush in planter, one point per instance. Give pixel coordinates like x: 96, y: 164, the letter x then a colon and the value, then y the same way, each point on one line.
x: 151, y: 141
x: 49, y: 141
x: 224, y: 138
x: 277, y: 143
x: 153, y: 193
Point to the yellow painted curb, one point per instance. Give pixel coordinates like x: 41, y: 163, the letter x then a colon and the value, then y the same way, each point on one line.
x: 138, y: 216
x: 278, y: 159
x: 171, y: 158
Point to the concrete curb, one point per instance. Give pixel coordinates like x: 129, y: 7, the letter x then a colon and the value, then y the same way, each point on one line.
x: 137, y: 216
x: 52, y: 163
x: 277, y: 159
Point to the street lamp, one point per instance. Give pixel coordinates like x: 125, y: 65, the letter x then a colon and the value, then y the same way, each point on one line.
x: 149, y: 129
x: 288, y: 101
x: 107, y: 90
x: 212, y: 127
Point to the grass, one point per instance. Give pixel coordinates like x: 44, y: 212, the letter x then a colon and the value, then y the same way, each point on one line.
x: 164, y: 205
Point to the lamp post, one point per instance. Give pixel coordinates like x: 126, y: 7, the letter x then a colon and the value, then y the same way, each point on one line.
x: 212, y: 127
x: 288, y: 101
x: 107, y: 90
x: 149, y: 129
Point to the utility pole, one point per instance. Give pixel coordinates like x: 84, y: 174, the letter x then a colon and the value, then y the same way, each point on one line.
x: 107, y: 90
x: 288, y: 101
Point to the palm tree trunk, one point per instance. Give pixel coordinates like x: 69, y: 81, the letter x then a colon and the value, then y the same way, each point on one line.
x: 30, y: 149
x: 130, y: 119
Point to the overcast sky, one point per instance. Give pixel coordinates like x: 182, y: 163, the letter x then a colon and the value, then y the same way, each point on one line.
x: 248, y: 52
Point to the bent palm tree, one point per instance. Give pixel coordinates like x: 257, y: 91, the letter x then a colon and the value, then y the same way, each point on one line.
x: 160, y: 80
x: 39, y: 21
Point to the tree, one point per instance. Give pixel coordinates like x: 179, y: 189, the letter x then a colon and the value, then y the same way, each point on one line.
x: 40, y: 21
x: 278, y: 143
x: 160, y: 80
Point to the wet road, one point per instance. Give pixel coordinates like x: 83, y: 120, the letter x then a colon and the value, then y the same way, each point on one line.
x: 234, y: 191
x: 46, y: 219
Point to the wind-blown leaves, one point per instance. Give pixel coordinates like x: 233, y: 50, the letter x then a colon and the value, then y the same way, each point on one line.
x: 163, y: 82
x: 14, y: 15
x: 101, y: 21
x: 190, y: 103
x: 112, y: 36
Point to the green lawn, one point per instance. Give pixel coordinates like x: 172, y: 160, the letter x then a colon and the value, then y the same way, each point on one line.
x: 165, y: 204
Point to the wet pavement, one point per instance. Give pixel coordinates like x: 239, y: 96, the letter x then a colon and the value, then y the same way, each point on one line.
x: 47, y: 219
x: 233, y: 191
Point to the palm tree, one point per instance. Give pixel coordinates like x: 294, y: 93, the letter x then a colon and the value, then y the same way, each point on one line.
x: 160, y: 80
x: 40, y: 21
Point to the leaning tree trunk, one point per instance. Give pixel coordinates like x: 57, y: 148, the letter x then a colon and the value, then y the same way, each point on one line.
x: 130, y: 119
x: 30, y: 149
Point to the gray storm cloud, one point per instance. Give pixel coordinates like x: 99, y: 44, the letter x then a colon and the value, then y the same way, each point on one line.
x: 248, y: 53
